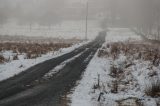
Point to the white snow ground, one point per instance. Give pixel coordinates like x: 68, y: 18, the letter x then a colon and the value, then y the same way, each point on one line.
x: 84, y: 93
x: 16, y: 66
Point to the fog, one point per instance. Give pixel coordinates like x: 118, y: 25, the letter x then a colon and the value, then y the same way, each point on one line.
x: 42, y: 12
x: 47, y: 12
x: 140, y: 14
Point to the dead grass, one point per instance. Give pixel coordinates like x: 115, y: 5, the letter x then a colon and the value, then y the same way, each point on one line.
x: 123, y: 80
x: 113, y: 71
x: 2, y: 59
x: 114, y: 87
x: 15, y: 57
x: 133, y: 51
x: 153, y: 89
x: 32, y: 50
x: 130, y: 101
x: 146, y: 52
x: 103, y: 53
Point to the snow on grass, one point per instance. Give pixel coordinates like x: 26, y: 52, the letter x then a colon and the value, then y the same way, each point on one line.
x: 86, y: 95
x: 14, y: 67
x: 129, y: 83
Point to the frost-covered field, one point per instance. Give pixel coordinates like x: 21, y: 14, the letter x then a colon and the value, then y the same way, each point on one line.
x: 124, y: 72
x: 65, y: 29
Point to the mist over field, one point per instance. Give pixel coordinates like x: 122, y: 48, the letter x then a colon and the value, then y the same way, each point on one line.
x: 79, y: 53
x: 142, y: 14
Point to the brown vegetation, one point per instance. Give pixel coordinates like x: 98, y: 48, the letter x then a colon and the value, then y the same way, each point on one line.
x: 32, y: 50
x: 2, y: 59
x: 130, y: 101
x: 153, y: 89
x: 132, y: 51
x: 145, y: 52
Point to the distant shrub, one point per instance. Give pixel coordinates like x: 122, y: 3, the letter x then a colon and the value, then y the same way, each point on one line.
x: 102, y: 53
x: 114, y: 87
x: 2, y: 59
x: 153, y: 89
x: 15, y: 57
x: 114, y: 48
x: 113, y: 71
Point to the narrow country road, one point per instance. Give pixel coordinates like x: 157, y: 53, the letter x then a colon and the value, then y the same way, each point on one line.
x: 29, y: 88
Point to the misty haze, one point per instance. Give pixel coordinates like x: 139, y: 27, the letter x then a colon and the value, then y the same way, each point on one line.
x: 79, y: 52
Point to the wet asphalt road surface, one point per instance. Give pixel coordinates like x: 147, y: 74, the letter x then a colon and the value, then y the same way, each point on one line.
x: 29, y: 88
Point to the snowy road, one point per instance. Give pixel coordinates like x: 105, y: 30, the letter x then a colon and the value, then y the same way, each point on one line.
x: 31, y: 88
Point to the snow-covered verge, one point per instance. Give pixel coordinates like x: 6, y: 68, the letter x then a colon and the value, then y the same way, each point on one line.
x: 14, y: 67
x: 124, y: 72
